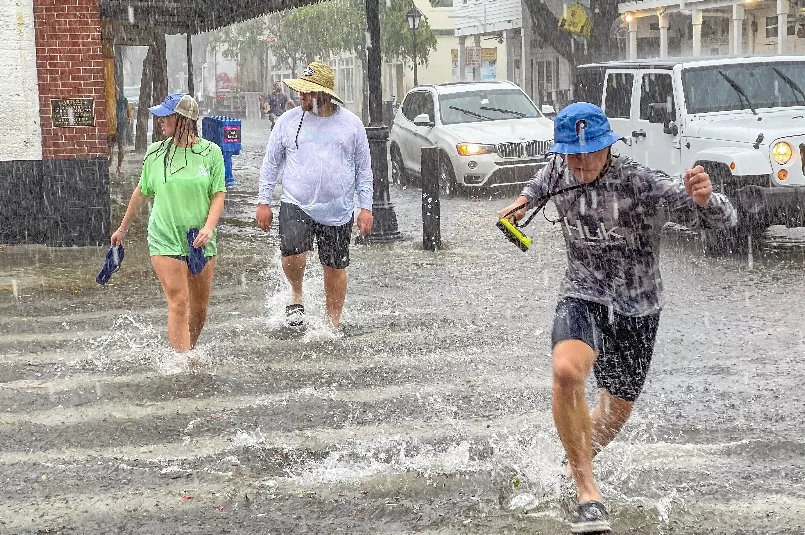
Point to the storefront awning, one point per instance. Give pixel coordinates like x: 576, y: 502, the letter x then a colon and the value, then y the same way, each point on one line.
x: 196, y: 16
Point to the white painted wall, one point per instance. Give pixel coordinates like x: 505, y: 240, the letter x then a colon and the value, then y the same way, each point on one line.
x: 486, y: 16
x: 19, y: 106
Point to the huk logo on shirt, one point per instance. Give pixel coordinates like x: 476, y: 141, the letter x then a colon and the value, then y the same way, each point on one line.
x: 600, y: 233
x: 203, y: 171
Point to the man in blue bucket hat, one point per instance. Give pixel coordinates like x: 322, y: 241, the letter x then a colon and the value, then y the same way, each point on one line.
x: 611, y: 211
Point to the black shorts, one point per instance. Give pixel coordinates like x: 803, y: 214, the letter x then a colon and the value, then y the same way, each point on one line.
x: 297, y: 230
x: 624, y: 344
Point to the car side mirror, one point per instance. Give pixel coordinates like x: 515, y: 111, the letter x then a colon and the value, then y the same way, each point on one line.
x: 670, y: 127
x: 423, y: 119
x: 548, y: 111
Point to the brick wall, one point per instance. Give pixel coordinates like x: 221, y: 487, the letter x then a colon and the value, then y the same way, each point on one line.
x: 69, y: 64
x: 19, y: 104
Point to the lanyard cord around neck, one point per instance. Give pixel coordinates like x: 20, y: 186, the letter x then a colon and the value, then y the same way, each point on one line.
x: 543, y: 201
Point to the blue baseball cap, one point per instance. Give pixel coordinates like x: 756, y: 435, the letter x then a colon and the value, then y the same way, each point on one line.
x: 582, y: 128
x: 177, y: 103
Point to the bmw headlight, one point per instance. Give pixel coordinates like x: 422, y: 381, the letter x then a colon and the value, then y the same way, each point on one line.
x: 473, y: 149
x: 782, y: 152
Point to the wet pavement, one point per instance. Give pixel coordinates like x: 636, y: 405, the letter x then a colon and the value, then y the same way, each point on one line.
x: 430, y: 414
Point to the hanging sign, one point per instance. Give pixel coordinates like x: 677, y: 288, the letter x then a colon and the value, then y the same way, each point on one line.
x: 473, y: 56
x: 576, y: 21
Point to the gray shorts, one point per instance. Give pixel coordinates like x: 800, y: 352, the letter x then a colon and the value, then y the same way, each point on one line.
x: 624, y: 344
x: 298, y: 230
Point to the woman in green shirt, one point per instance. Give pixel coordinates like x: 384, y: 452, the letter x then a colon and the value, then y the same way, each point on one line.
x: 185, y: 176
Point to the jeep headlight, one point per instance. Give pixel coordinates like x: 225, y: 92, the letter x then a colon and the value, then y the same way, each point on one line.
x: 782, y: 152
x: 473, y: 149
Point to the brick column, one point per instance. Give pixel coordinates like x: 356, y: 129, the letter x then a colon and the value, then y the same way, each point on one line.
x: 69, y: 63
x: 75, y: 172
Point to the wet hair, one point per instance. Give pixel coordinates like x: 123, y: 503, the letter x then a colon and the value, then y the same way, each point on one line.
x: 185, y: 129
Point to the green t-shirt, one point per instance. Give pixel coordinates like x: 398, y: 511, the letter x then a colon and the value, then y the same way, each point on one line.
x: 182, y: 194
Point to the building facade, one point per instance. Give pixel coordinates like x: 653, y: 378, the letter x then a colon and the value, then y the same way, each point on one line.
x: 547, y: 74
x: 54, y: 174
x: 661, y: 28
x: 398, y: 77
x: 496, y: 28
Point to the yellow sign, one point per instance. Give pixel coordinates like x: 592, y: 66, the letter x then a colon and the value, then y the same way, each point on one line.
x: 489, y: 54
x: 576, y: 21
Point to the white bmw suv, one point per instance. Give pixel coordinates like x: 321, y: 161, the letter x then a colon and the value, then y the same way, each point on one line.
x: 490, y: 135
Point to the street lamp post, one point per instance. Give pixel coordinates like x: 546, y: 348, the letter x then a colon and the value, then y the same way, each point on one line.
x: 385, y: 227
x: 414, y: 18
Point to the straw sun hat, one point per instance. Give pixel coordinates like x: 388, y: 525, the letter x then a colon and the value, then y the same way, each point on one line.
x: 317, y: 77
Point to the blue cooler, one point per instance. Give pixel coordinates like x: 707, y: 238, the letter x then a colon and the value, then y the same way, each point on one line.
x: 224, y: 132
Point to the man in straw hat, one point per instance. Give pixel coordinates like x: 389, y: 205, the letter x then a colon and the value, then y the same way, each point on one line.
x: 611, y: 211
x: 323, y: 153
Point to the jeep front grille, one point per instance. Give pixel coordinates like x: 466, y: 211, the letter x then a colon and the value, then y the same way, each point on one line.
x: 524, y: 149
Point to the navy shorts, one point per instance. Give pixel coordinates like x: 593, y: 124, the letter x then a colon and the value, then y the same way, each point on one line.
x: 624, y: 344
x: 297, y: 231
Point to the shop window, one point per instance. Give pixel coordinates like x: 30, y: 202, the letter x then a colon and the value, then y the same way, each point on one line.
x: 771, y: 27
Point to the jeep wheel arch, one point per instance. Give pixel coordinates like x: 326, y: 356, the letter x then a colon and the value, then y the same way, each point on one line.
x: 738, y: 161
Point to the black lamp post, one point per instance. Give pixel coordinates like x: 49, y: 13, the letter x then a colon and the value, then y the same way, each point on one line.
x: 414, y: 18
x: 385, y: 227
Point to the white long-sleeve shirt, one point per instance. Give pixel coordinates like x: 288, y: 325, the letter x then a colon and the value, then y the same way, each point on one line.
x: 324, y: 164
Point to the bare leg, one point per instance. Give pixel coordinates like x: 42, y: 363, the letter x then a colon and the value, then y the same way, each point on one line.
x: 172, y: 274
x: 294, y: 268
x: 120, y: 152
x: 608, y: 418
x: 335, y: 291
x: 200, y: 286
x: 572, y: 362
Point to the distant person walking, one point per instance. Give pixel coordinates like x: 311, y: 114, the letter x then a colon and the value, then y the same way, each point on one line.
x: 185, y: 176
x: 278, y: 103
x: 324, y: 154
x: 123, y: 122
x: 611, y: 211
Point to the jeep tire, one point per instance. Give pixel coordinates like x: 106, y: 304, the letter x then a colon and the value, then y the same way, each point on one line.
x: 734, y: 240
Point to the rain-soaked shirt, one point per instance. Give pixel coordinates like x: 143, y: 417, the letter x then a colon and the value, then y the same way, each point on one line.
x: 612, y: 230
x: 183, y: 191
x: 324, y: 162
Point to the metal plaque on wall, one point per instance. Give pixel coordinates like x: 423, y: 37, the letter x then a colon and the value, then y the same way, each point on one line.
x: 73, y: 111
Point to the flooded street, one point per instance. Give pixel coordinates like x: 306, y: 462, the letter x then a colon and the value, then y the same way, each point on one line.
x: 430, y: 414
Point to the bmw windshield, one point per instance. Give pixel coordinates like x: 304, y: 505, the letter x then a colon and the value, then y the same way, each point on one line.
x: 744, y: 86
x: 492, y: 105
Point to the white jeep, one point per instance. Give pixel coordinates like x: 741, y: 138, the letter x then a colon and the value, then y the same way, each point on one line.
x: 742, y: 118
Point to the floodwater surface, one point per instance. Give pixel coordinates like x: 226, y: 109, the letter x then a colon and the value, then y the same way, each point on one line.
x: 430, y: 413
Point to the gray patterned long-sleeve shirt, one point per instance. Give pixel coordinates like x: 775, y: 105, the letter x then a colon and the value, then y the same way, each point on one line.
x: 612, y: 230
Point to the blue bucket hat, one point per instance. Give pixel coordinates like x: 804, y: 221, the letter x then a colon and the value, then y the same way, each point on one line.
x: 582, y: 128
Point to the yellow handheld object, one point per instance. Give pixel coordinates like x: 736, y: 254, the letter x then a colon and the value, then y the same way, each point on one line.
x: 514, y: 235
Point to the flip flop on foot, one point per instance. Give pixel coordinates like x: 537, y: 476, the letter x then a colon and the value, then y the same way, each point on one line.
x: 591, y: 517
x: 295, y: 315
